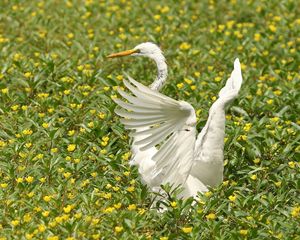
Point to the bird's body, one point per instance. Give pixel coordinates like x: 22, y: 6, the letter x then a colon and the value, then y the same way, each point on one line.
x: 166, y: 148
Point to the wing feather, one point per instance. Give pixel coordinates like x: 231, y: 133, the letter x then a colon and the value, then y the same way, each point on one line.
x: 208, y: 164
x: 159, y: 121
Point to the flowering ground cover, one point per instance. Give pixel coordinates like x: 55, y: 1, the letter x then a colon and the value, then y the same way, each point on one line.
x: 64, y: 171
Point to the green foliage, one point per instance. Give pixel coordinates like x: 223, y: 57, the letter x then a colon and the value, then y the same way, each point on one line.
x: 64, y: 171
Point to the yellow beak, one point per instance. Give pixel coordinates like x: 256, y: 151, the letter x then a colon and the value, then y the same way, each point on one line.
x: 123, y: 53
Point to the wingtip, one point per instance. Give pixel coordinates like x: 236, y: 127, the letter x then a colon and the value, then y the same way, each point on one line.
x: 237, y: 63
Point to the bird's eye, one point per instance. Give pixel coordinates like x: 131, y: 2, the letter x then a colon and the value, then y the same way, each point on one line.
x: 137, y: 51
x: 187, y: 130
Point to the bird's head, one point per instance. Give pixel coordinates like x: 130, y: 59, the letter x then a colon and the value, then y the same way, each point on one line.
x: 147, y: 49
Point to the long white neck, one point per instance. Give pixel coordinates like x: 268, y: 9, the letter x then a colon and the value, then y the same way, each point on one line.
x: 162, y: 71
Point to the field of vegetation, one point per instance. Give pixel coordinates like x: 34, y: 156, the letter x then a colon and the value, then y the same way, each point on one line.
x: 64, y: 171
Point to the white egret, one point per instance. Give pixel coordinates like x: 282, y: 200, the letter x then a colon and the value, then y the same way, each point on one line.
x: 165, y: 146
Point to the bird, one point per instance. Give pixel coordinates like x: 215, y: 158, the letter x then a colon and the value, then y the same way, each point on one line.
x: 166, y: 147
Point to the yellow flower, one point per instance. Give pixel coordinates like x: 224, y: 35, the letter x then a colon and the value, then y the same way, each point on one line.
x: 54, y: 150
x: 131, y: 207
x: 131, y: 189
x: 78, y: 215
x: 257, y: 37
x: 108, y: 210
x: 19, y: 180
x: 156, y: 17
x: 295, y: 212
x: 67, y: 174
x: 272, y: 28
x: 292, y: 164
x: 225, y: 183
x: 68, y: 209
x: 4, y: 90
x: 29, y: 179
x: 253, y: 177
x: 67, y: 92
x: 256, y: 160
x: 274, y: 119
x: 184, y: 46
x: 118, y: 205
x: 163, y: 238
x: 71, y: 147
x: 2, y: 144
x: 45, y: 125
x: 45, y: 213
x: 3, y: 185
x: 15, y: 222
x: 247, y: 127
x: 218, y: 79
x: 70, y: 35
x: 141, y: 211
x: 91, y: 124
x: 53, y: 237
x: 28, y: 74
x: 187, y: 229
x: 242, y: 138
x: 278, y: 184
x: 197, y: 74
x: 42, y: 180
x: 118, y: 229
x: 208, y: 194
x: 211, y: 216
x: 173, y: 204
x: 27, y: 131
x: 41, y: 228
x: 94, y: 174
x: 27, y: 217
x: 47, y: 198
x: 243, y: 232
x: 126, y: 156
x: 30, y: 195
x: 15, y: 107
x: 96, y: 236
x: 29, y: 236
x: 101, y: 115
x: 232, y: 198
x: 76, y: 160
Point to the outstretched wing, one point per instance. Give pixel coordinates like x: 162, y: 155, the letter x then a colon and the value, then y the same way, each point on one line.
x: 233, y: 84
x: 157, y: 120
x: 208, y: 164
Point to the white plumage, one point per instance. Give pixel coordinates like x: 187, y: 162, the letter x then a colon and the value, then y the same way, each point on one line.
x: 165, y: 146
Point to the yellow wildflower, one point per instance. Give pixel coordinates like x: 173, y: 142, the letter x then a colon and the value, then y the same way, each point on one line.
x: 29, y: 179
x: 232, y: 198
x: 131, y: 207
x: 15, y: 222
x: 187, y: 229
x: 185, y: 46
x: 118, y: 229
x: 243, y: 232
x: 71, y: 147
x: 253, y: 177
x: 47, y: 198
x: 211, y: 216
x: 67, y: 209
x: 295, y: 212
